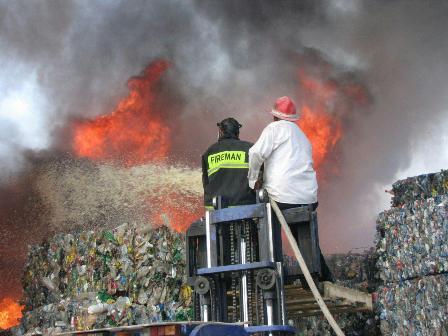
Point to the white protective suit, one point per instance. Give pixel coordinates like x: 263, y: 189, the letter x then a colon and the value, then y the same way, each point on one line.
x: 286, y: 152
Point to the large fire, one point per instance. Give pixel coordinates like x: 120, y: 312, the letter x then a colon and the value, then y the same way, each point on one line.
x: 10, y: 313
x: 325, y: 103
x: 323, y: 130
x: 135, y: 132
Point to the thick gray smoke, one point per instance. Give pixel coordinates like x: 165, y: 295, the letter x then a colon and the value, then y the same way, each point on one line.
x: 67, y: 60
x: 401, y: 49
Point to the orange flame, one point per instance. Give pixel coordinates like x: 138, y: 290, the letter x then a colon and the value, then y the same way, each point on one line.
x: 10, y: 313
x: 323, y: 130
x: 134, y: 133
x: 324, y: 103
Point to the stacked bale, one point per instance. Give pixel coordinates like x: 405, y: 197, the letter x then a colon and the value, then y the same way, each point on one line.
x: 405, y: 192
x: 415, y: 307
x: 105, y: 278
x: 412, y: 240
x: 412, y: 244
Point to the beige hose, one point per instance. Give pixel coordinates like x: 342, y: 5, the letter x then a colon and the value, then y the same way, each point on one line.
x: 305, y: 270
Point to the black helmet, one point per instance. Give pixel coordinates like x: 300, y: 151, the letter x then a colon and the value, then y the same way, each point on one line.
x: 230, y: 127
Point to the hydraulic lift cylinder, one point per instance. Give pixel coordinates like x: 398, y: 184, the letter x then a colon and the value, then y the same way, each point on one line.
x: 244, y: 295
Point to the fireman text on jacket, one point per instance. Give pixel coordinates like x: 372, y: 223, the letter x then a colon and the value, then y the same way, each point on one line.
x: 226, y: 159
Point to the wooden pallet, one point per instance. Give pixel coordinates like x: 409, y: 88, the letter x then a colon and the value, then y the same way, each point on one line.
x: 339, y: 299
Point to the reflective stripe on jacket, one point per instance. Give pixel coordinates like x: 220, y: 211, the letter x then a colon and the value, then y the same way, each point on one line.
x: 225, y: 166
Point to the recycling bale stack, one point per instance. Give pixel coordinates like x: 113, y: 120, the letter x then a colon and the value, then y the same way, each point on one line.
x: 412, y: 244
x: 420, y: 187
x: 101, y: 279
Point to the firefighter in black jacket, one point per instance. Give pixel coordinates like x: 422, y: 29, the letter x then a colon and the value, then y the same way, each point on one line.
x: 225, y: 167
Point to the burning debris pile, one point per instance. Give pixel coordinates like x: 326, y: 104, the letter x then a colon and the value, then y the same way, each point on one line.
x: 412, y: 246
x: 105, y: 278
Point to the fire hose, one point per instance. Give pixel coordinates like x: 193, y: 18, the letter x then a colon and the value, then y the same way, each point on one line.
x: 305, y: 270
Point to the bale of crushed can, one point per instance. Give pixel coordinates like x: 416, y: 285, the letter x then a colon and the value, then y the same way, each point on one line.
x: 414, y: 307
x: 419, y: 187
x: 413, y: 258
x: 412, y: 240
x: 101, y: 279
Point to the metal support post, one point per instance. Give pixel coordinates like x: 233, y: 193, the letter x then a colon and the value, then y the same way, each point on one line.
x: 270, y: 232
x: 205, y: 312
x: 281, y: 294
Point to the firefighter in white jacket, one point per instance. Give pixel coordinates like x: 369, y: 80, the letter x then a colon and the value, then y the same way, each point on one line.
x: 288, y: 175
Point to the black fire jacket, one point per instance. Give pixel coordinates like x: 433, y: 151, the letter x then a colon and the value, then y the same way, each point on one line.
x: 224, y: 172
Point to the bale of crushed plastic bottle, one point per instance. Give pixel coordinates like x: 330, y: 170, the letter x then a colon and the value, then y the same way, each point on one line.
x: 414, y: 307
x: 412, y: 241
x: 420, y: 187
x: 412, y: 250
x: 98, y: 279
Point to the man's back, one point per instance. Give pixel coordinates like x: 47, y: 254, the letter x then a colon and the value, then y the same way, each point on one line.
x: 289, y: 176
x: 224, y: 172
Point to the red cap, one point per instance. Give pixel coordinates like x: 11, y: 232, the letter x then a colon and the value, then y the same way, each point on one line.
x: 284, y: 108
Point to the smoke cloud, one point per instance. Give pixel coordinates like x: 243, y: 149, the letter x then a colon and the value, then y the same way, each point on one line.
x: 62, y: 61
x: 400, y: 49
